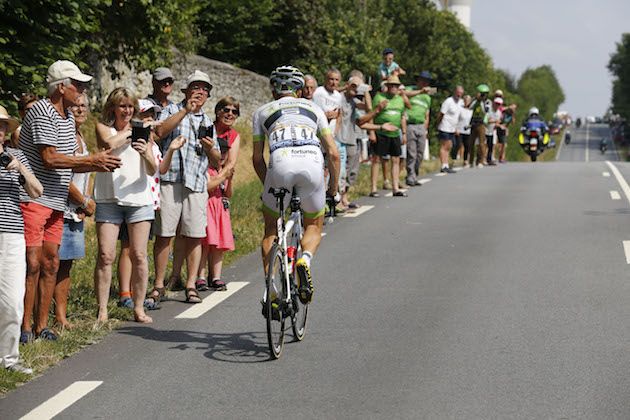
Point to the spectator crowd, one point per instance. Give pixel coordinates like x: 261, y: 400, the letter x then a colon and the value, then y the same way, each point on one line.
x: 164, y: 170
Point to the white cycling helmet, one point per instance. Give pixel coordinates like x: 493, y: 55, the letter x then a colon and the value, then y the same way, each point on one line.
x: 533, y: 111
x: 286, y: 79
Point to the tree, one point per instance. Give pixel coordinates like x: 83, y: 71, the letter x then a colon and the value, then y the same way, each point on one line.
x: 619, y: 67
x: 540, y: 87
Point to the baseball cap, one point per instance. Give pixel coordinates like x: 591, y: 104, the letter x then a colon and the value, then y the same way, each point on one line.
x: 498, y: 92
x: 355, y: 81
x: 197, y: 76
x: 498, y: 100
x: 145, y: 105
x: 388, y: 51
x: 64, y: 69
x: 162, y: 73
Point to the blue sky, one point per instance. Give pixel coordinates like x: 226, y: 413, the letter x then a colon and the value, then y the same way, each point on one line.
x: 575, y: 37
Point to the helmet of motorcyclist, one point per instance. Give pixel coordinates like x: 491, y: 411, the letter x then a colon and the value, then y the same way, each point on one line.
x: 286, y: 79
x: 533, y: 111
x: 483, y: 88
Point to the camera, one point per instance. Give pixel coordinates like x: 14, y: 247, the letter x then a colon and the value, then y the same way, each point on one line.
x: 139, y: 131
x: 205, y: 131
x: 223, y: 145
x: 5, y: 159
x: 226, y: 203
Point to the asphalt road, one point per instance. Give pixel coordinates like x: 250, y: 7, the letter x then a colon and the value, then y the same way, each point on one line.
x: 499, y: 292
x: 585, y: 148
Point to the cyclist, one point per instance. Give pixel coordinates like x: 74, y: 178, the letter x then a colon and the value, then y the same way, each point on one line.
x: 296, y: 129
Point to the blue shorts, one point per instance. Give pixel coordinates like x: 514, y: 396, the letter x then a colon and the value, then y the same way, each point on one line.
x: 444, y: 136
x: 72, y: 241
x: 115, y: 214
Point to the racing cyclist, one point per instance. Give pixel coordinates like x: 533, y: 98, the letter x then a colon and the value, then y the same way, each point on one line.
x: 296, y: 129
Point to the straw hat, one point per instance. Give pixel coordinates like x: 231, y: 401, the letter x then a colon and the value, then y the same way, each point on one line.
x: 393, y: 80
x: 13, y: 123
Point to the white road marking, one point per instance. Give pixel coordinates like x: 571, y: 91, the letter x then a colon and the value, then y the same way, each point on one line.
x: 615, y: 195
x: 440, y: 174
x: 62, y: 400
x: 626, y: 250
x: 586, y: 154
x: 606, y: 174
x: 389, y: 194
x: 323, y: 234
x: 212, y: 300
x: 424, y: 181
x: 459, y: 168
x: 359, y: 211
x: 620, y: 179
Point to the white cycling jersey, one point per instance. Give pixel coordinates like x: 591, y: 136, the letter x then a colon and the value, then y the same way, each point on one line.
x: 293, y: 127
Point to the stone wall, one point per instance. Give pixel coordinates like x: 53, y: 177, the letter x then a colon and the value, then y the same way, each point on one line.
x: 249, y: 88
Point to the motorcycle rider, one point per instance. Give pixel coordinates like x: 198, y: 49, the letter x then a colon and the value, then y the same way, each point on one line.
x: 567, y: 137
x: 534, y: 123
x: 603, y: 144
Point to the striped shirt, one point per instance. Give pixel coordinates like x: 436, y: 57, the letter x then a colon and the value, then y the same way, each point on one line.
x: 11, y: 220
x: 43, y: 126
x: 186, y: 166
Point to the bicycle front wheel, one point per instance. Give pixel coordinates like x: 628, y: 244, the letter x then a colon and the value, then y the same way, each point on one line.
x: 275, y: 303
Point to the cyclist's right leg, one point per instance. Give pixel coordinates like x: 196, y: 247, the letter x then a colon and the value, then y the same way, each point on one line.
x: 268, y: 237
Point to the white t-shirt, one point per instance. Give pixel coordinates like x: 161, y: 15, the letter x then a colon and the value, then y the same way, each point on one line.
x: 451, y: 110
x: 328, y: 102
x: 492, y: 115
x: 463, y: 124
x: 127, y: 185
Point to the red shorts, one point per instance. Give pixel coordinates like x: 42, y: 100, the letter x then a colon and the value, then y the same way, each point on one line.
x: 41, y: 224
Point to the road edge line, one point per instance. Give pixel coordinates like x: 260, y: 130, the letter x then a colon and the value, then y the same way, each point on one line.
x: 211, y: 301
x: 620, y: 180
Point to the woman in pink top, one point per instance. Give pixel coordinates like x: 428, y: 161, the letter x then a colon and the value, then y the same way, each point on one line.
x: 219, y: 236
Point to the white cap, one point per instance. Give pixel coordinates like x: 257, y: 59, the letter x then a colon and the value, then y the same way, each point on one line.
x: 498, y: 100
x: 64, y: 69
x: 197, y: 76
x: 145, y: 105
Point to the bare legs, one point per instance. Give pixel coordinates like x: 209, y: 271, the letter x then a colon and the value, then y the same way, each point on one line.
x: 62, y: 289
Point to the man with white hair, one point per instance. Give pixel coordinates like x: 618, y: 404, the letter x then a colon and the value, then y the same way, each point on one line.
x: 310, y: 84
x: 48, y: 140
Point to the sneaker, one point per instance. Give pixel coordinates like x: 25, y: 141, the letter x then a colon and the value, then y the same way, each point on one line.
x: 20, y: 369
x: 447, y: 171
x: 480, y: 165
x: 126, y: 303
x: 47, y: 334
x: 387, y: 185
x: 418, y: 183
x: 26, y: 337
x: 466, y: 165
x: 305, y: 288
x: 492, y: 163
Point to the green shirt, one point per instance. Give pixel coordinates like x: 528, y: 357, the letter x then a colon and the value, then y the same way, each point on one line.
x: 420, y: 104
x: 391, y: 114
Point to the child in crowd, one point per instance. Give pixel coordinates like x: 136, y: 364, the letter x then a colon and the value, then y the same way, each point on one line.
x: 219, y: 230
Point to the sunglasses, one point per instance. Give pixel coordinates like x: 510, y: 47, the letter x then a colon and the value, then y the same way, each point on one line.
x: 232, y: 111
x: 166, y: 82
x: 200, y: 87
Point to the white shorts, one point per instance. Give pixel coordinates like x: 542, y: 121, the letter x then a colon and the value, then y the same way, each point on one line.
x: 300, y: 167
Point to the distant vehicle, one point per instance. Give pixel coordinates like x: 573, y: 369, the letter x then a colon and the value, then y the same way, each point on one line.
x: 556, y: 126
x: 598, y: 120
x: 578, y: 122
x: 590, y: 119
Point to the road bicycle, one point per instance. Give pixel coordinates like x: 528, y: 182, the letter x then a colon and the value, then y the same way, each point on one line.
x: 280, y: 300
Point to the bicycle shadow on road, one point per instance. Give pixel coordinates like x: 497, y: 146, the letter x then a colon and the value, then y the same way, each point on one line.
x: 247, y: 347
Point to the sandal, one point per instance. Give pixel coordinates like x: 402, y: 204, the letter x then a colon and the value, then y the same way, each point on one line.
x: 126, y: 303
x: 399, y: 194
x: 374, y: 194
x: 192, y: 296
x: 218, y: 285
x: 161, y: 291
x: 201, y: 284
x: 26, y: 337
x: 150, y: 305
x: 47, y: 334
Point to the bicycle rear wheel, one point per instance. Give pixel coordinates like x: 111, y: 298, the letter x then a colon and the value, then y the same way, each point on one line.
x: 298, y: 320
x: 274, y: 305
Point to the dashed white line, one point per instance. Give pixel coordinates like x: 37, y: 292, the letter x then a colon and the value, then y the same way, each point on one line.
x: 62, y: 400
x: 358, y: 212
x: 626, y: 250
x: 424, y: 181
x: 440, y: 174
x: 606, y: 174
x: 212, y: 300
x: 620, y: 179
x: 323, y: 234
x: 389, y: 194
x: 586, y: 157
x: 614, y: 195
x: 459, y: 168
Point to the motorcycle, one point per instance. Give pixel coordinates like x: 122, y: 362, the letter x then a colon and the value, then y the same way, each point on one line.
x: 567, y: 137
x: 533, y: 142
x: 578, y: 122
x: 603, y: 145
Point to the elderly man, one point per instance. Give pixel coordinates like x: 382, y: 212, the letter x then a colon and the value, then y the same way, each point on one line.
x: 48, y: 139
x: 329, y: 98
x: 162, y: 87
x: 183, y: 189
x: 310, y: 84
x: 447, y: 126
x: 417, y: 125
x: 390, y: 106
